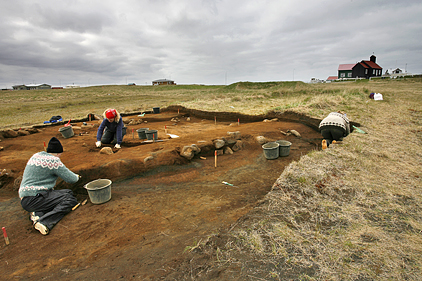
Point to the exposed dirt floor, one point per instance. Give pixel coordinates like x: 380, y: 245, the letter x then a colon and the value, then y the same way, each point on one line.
x: 162, y: 203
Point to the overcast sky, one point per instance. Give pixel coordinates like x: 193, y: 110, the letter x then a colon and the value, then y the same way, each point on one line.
x: 102, y: 42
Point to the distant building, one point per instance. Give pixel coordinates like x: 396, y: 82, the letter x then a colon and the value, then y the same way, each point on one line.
x: 332, y: 78
x: 367, y: 69
x: 364, y: 69
x: 315, y: 80
x: 32, y: 87
x: 163, y: 82
x: 345, y: 70
x: 19, y: 87
x: 72, y: 86
x: 393, y: 71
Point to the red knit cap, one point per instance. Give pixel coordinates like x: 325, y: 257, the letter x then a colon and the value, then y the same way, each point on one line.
x: 111, y: 113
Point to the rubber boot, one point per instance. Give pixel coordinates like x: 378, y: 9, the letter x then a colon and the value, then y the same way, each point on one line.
x: 324, y: 144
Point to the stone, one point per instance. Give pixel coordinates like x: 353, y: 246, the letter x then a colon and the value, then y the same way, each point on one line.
x: 228, y: 150
x: 236, y: 135
x: 238, y: 146
x: 148, y: 159
x: 32, y: 130
x: 9, y: 133
x: 294, y: 132
x: 219, y: 143
x: 106, y: 150
x: 195, y: 148
x: 261, y: 139
x: 220, y: 152
x: 187, y: 152
x: 23, y: 133
x: 231, y: 142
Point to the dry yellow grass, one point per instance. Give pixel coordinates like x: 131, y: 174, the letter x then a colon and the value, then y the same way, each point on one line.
x: 351, y: 212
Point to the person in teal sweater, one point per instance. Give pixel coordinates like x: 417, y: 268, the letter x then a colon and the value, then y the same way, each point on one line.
x: 45, y: 205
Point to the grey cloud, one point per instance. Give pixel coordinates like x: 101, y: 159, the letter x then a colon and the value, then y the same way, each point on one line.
x: 202, y: 41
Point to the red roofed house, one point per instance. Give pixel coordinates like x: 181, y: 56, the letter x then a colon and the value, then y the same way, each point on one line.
x: 345, y: 70
x: 363, y: 69
x: 332, y: 78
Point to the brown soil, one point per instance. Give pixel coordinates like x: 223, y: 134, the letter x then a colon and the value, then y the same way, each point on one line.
x: 158, y: 208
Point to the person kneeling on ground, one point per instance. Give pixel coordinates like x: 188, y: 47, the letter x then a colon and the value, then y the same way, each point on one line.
x: 45, y: 205
x: 111, y: 129
x: 334, y: 128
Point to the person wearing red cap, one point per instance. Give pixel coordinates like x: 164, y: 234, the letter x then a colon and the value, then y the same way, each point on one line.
x: 111, y: 129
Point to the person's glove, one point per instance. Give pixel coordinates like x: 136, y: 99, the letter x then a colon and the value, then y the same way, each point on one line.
x: 98, y: 143
x: 117, y: 146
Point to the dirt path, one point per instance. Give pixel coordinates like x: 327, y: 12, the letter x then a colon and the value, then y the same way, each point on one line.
x: 159, y: 208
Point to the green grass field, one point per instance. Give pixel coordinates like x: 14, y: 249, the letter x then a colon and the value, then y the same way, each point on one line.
x: 351, y: 212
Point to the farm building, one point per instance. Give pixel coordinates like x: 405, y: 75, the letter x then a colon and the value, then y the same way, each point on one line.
x: 163, y: 82
x: 345, y: 70
x: 331, y: 78
x: 72, y: 86
x: 32, y: 87
x: 364, y: 69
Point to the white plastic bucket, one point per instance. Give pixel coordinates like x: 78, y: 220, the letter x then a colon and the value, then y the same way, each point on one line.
x: 99, y: 191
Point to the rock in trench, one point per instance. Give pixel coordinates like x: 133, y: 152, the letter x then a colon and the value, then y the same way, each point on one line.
x: 106, y: 150
x: 219, y: 143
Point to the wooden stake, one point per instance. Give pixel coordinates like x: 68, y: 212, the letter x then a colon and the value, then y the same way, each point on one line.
x: 133, y: 136
x: 45, y: 148
x: 215, y: 120
x: 76, y: 206
x: 6, y: 239
x: 216, y: 159
x: 238, y: 121
x: 177, y: 111
x: 165, y: 129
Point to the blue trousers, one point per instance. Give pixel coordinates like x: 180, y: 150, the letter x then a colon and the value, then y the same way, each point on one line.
x: 50, y: 205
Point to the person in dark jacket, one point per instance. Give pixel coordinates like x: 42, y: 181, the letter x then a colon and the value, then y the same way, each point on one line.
x: 111, y: 129
x: 334, y: 128
x: 45, y: 205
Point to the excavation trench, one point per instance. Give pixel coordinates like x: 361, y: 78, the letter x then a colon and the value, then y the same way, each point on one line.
x: 162, y: 203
